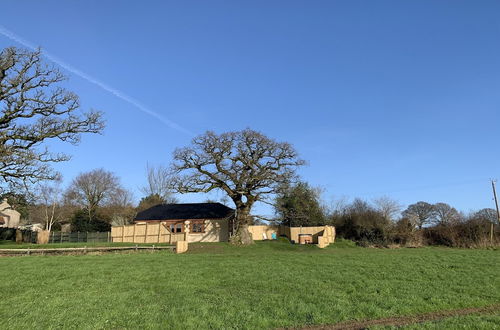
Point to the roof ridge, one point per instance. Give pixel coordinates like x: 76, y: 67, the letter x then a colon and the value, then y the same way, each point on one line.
x: 193, y: 203
x: 185, y: 210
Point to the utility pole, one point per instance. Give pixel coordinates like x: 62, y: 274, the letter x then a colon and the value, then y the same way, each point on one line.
x: 496, y: 204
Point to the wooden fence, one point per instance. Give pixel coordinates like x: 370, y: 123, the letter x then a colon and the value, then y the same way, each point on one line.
x: 76, y: 237
x: 26, y: 236
x: 322, y: 235
x: 160, y: 233
x: 145, y: 233
x: 293, y: 232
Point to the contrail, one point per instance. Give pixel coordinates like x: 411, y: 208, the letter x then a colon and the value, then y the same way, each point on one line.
x: 119, y: 94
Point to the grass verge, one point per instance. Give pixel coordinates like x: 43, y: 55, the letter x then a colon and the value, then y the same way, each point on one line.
x: 13, y: 245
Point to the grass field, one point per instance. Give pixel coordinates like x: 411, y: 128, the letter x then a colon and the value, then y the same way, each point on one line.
x: 270, y: 284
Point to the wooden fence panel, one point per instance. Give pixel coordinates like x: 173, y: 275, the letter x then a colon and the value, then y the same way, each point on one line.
x: 117, y: 233
x: 262, y: 232
x: 79, y: 237
x: 145, y: 233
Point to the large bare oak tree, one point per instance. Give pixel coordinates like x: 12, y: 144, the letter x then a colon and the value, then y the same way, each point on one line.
x: 246, y: 165
x: 443, y: 213
x: 419, y: 214
x: 34, y: 108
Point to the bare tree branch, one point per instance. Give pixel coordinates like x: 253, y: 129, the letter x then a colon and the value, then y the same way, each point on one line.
x: 159, y: 183
x: 388, y: 207
x: 33, y: 110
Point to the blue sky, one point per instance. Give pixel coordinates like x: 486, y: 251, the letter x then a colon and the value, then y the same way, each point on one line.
x: 397, y: 98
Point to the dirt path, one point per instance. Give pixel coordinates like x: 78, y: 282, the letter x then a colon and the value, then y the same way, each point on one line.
x: 406, y: 320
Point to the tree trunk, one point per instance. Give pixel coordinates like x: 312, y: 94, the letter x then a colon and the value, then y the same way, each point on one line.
x: 242, y: 235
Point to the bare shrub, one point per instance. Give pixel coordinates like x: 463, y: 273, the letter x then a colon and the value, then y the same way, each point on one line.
x: 474, y: 232
x: 363, y: 224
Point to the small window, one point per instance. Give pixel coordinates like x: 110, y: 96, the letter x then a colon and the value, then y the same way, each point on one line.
x: 197, y: 227
x: 177, y: 228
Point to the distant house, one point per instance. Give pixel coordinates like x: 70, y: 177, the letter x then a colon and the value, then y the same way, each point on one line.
x: 206, y: 222
x: 8, y: 216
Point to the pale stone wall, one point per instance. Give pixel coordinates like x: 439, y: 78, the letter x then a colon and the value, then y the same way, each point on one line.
x: 9, y: 216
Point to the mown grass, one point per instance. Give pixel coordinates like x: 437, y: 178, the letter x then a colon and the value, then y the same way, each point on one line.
x: 270, y: 284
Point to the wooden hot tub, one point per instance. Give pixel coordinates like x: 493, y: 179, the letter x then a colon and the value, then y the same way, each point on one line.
x: 305, y: 238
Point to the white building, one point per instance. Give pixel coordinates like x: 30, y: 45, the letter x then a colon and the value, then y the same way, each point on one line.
x: 8, y: 216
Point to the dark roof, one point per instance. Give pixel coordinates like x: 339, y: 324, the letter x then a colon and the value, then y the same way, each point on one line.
x: 185, y: 211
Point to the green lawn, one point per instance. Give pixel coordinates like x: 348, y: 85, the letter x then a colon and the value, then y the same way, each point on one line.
x: 270, y: 284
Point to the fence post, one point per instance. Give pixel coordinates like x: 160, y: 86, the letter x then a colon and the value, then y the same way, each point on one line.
x: 170, y: 236
x: 159, y: 231
x: 109, y: 236
x: 133, y: 236
x: 60, y: 237
x: 146, y: 234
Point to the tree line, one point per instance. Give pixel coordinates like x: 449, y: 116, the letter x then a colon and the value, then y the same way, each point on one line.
x: 383, y: 221
x: 93, y: 201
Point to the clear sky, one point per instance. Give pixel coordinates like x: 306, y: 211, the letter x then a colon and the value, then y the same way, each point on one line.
x: 397, y: 98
